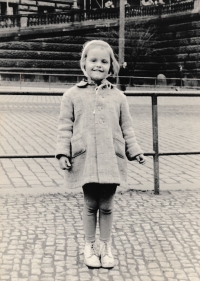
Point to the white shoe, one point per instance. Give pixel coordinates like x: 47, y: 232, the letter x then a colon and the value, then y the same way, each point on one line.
x: 91, y: 258
x: 107, y: 259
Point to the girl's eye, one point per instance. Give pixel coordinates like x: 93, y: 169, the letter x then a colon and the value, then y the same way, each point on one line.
x: 105, y: 61
x: 93, y: 60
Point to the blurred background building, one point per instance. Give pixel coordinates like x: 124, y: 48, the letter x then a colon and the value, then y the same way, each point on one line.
x: 46, y: 36
x: 14, y: 7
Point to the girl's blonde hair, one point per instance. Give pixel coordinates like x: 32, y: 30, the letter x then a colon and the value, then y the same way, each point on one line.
x: 114, y: 65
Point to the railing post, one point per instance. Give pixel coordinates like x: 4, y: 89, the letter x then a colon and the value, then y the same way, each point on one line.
x: 155, y: 143
x: 121, y: 32
x: 23, y: 20
x: 20, y: 80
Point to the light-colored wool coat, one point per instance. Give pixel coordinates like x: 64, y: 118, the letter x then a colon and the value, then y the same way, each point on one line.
x: 95, y: 132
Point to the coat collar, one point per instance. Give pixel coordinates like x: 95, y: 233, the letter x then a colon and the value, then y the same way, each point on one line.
x: 87, y: 81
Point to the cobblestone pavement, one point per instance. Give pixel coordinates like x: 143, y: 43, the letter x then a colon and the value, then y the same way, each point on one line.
x: 155, y: 238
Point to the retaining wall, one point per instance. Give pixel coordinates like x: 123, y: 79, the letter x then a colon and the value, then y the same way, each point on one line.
x: 176, y: 42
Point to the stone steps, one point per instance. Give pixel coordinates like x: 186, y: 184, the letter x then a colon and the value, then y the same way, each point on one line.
x: 39, y: 55
x: 28, y: 63
x: 177, y: 42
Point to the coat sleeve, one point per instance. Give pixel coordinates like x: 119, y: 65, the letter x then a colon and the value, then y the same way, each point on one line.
x: 65, y: 127
x: 126, y: 123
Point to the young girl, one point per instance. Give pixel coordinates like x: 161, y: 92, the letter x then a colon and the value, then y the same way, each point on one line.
x: 95, y: 135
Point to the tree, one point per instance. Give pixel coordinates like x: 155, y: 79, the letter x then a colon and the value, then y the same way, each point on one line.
x: 139, y: 41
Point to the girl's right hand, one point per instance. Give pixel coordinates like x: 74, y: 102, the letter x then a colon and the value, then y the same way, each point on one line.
x: 141, y: 159
x: 64, y: 163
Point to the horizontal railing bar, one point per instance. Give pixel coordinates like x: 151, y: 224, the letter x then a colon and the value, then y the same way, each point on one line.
x: 163, y: 93
x: 17, y: 93
x: 127, y: 93
x: 46, y: 155
x: 81, y: 75
x: 27, y: 156
x: 146, y: 154
x: 178, y: 153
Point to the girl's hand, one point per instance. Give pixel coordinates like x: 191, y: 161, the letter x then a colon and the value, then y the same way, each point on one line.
x: 141, y: 159
x: 64, y: 163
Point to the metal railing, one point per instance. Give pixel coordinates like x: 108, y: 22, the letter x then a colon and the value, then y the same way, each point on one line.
x: 30, y: 20
x: 32, y: 79
x: 158, y: 10
x: 154, y: 104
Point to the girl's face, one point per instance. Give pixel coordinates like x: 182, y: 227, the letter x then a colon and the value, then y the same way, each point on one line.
x: 97, y: 63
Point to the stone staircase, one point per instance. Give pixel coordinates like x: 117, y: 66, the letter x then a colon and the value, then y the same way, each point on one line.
x: 177, y: 42
x: 54, y: 55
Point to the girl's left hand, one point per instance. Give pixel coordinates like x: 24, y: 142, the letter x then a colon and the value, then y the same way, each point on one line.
x: 141, y: 159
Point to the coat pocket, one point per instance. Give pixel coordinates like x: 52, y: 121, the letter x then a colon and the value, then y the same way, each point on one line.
x: 77, y: 145
x: 119, y: 144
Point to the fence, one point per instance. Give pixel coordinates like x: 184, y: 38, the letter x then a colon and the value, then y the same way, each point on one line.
x: 156, y: 153
x: 158, y: 10
x: 29, y: 20
x: 154, y: 104
x: 20, y: 79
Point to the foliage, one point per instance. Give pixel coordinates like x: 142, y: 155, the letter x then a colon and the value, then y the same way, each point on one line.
x: 139, y: 40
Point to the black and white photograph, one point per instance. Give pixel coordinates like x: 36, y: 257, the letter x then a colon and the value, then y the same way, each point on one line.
x: 99, y: 140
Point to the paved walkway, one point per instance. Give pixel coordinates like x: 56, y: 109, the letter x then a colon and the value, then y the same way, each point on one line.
x: 155, y: 238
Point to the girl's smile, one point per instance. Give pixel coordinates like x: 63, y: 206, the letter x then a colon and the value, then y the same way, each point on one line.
x: 97, y: 63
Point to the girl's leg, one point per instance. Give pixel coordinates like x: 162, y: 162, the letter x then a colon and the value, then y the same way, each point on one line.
x: 91, y: 205
x: 106, y: 205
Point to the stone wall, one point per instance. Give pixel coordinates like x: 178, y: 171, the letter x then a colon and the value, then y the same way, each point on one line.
x: 54, y: 55
x: 177, y: 42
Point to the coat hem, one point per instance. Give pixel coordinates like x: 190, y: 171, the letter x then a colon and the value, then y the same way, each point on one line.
x: 79, y: 185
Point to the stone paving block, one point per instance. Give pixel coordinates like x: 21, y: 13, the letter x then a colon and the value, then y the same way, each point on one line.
x: 139, y: 265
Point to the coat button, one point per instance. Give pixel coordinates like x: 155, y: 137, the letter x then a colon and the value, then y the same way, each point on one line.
x: 99, y: 108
